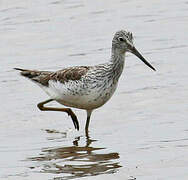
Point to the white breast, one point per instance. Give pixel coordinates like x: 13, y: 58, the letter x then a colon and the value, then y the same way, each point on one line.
x: 79, y: 94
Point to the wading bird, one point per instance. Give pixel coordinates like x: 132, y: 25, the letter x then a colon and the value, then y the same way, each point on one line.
x: 85, y: 87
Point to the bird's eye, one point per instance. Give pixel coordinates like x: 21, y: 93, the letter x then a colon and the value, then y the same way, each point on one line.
x: 121, y: 39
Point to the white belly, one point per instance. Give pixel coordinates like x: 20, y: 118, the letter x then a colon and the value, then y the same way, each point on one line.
x: 80, y: 95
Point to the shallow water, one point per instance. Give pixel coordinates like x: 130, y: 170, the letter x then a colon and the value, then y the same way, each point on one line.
x: 141, y: 133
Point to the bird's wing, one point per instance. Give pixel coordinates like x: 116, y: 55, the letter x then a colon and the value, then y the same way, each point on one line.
x: 64, y: 75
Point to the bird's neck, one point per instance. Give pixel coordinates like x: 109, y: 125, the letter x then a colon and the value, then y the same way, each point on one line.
x: 117, y: 62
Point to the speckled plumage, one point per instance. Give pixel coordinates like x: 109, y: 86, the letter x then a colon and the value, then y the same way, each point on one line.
x: 87, y: 87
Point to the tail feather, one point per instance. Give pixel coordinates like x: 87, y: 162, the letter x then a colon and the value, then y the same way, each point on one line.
x: 19, y: 69
x: 40, y: 77
x: 28, y: 73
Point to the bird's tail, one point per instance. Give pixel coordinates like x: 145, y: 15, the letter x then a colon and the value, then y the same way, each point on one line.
x: 28, y: 73
x: 41, y: 77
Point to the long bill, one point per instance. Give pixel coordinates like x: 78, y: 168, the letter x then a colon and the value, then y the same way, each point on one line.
x: 135, y: 52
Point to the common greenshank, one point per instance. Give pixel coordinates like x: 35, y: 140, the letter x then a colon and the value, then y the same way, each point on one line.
x: 85, y: 87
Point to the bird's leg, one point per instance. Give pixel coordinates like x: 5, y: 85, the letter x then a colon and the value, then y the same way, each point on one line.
x: 88, y: 120
x: 67, y: 110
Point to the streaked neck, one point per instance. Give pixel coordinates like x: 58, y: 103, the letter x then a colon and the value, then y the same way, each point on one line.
x: 117, y: 61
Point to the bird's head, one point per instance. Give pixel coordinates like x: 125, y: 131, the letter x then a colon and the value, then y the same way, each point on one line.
x: 123, y: 42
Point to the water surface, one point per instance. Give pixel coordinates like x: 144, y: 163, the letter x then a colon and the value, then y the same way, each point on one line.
x: 141, y: 133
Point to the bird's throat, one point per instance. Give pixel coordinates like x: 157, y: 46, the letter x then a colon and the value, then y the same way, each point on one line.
x: 117, y: 62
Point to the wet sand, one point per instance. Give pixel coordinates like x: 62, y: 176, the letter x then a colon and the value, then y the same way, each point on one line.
x: 140, y: 134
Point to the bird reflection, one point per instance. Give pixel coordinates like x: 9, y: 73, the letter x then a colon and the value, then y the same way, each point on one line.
x: 77, y: 161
